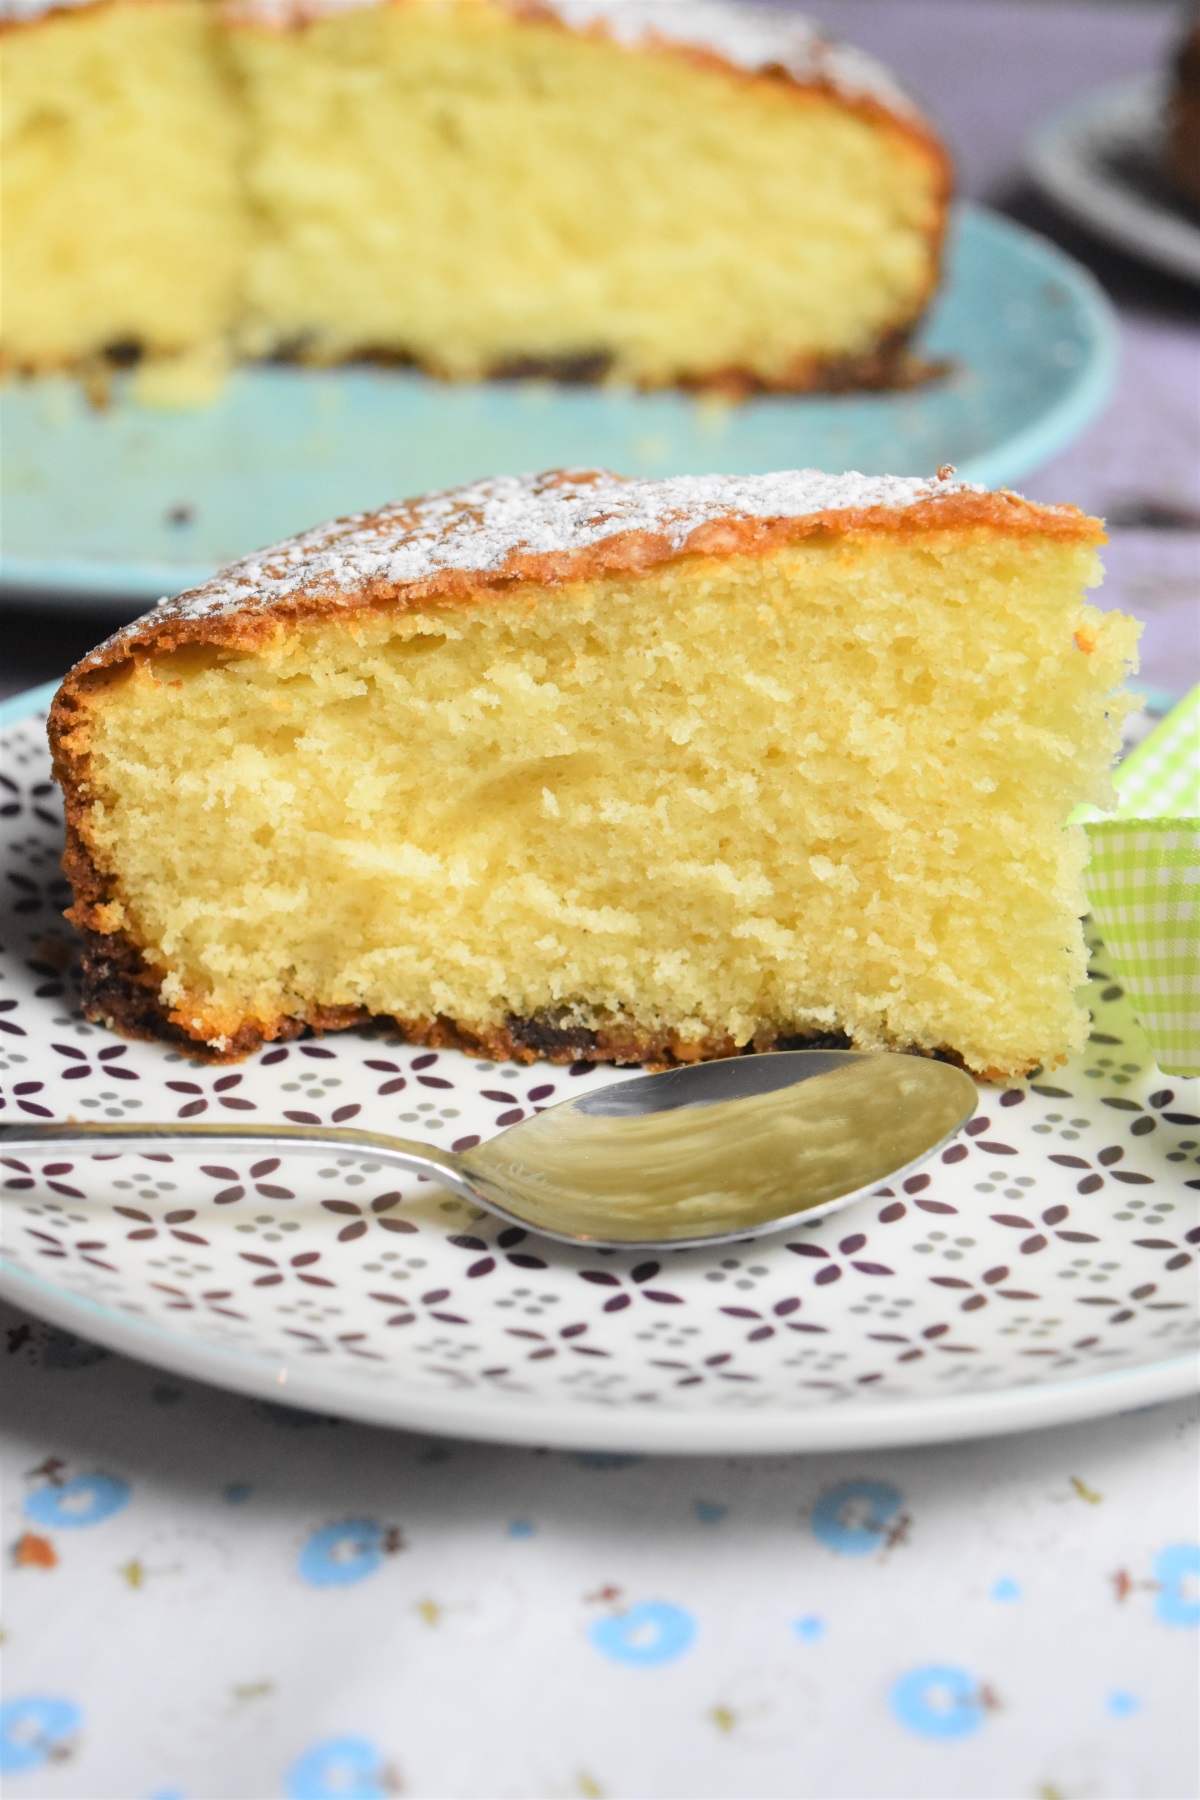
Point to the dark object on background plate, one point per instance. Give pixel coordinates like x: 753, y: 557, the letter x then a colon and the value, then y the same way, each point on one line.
x: 1102, y: 158
x: 1182, y: 148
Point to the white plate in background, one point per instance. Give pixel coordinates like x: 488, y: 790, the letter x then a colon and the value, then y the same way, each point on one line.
x: 1100, y: 159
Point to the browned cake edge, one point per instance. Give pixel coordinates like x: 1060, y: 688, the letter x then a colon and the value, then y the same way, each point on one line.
x: 121, y: 986
x: 120, y: 990
x: 888, y: 365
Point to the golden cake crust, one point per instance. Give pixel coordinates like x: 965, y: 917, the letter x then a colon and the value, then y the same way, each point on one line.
x: 479, y: 544
x: 561, y: 526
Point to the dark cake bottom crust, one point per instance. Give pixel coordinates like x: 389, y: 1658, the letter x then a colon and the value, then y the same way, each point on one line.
x: 890, y: 365
x: 122, y: 993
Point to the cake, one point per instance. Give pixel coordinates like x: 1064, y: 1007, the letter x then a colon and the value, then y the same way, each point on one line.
x: 575, y: 767
x: 655, y: 191
x: 124, y: 221
x: 1182, y: 150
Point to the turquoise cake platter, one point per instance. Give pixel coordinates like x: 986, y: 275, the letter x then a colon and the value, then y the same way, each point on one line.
x: 137, y: 501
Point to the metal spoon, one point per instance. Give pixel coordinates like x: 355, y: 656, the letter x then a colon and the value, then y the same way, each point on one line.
x: 698, y: 1155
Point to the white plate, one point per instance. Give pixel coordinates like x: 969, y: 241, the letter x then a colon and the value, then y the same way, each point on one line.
x: 1042, y: 1270
x: 1099, y: 158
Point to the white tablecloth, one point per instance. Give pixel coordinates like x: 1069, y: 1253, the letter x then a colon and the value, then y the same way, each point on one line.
x: 211, y: 1597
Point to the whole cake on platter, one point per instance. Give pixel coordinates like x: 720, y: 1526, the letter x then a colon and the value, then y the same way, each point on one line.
x: 577, y: 767
x: 659, y: 191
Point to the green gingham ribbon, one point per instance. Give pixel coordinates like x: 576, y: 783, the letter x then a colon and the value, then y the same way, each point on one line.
x: 1161, y: 778
x: 1143, y: 883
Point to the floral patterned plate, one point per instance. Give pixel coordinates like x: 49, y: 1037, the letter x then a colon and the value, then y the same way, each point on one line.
x: 1043, y: 1269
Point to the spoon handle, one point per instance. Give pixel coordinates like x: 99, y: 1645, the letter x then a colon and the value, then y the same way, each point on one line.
x: 318, y: 1140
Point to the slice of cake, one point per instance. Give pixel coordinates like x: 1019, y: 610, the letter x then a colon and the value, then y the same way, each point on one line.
x: 682, y: 191
x: 571, y: 766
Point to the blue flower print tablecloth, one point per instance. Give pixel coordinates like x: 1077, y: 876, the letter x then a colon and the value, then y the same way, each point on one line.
x: 211, y: 1598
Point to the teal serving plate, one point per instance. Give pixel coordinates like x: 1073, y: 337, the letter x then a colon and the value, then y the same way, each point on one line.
x: 136, y: 501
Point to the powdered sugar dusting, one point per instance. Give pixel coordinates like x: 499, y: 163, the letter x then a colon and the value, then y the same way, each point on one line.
x: 511, y: 523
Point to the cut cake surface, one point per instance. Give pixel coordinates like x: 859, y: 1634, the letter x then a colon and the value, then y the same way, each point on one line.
x: 580, y: 767
x: 691, y: 193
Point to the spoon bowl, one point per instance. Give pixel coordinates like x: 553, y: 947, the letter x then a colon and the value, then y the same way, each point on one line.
x: 705, y: 1154
x: 723, y: 1150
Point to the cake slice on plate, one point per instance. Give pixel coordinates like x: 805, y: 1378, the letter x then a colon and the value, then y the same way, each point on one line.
x: 571, y: 766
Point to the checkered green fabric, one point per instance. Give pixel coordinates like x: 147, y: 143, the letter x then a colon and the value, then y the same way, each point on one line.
x: 1161, y: 778
x: 1143, y: 883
